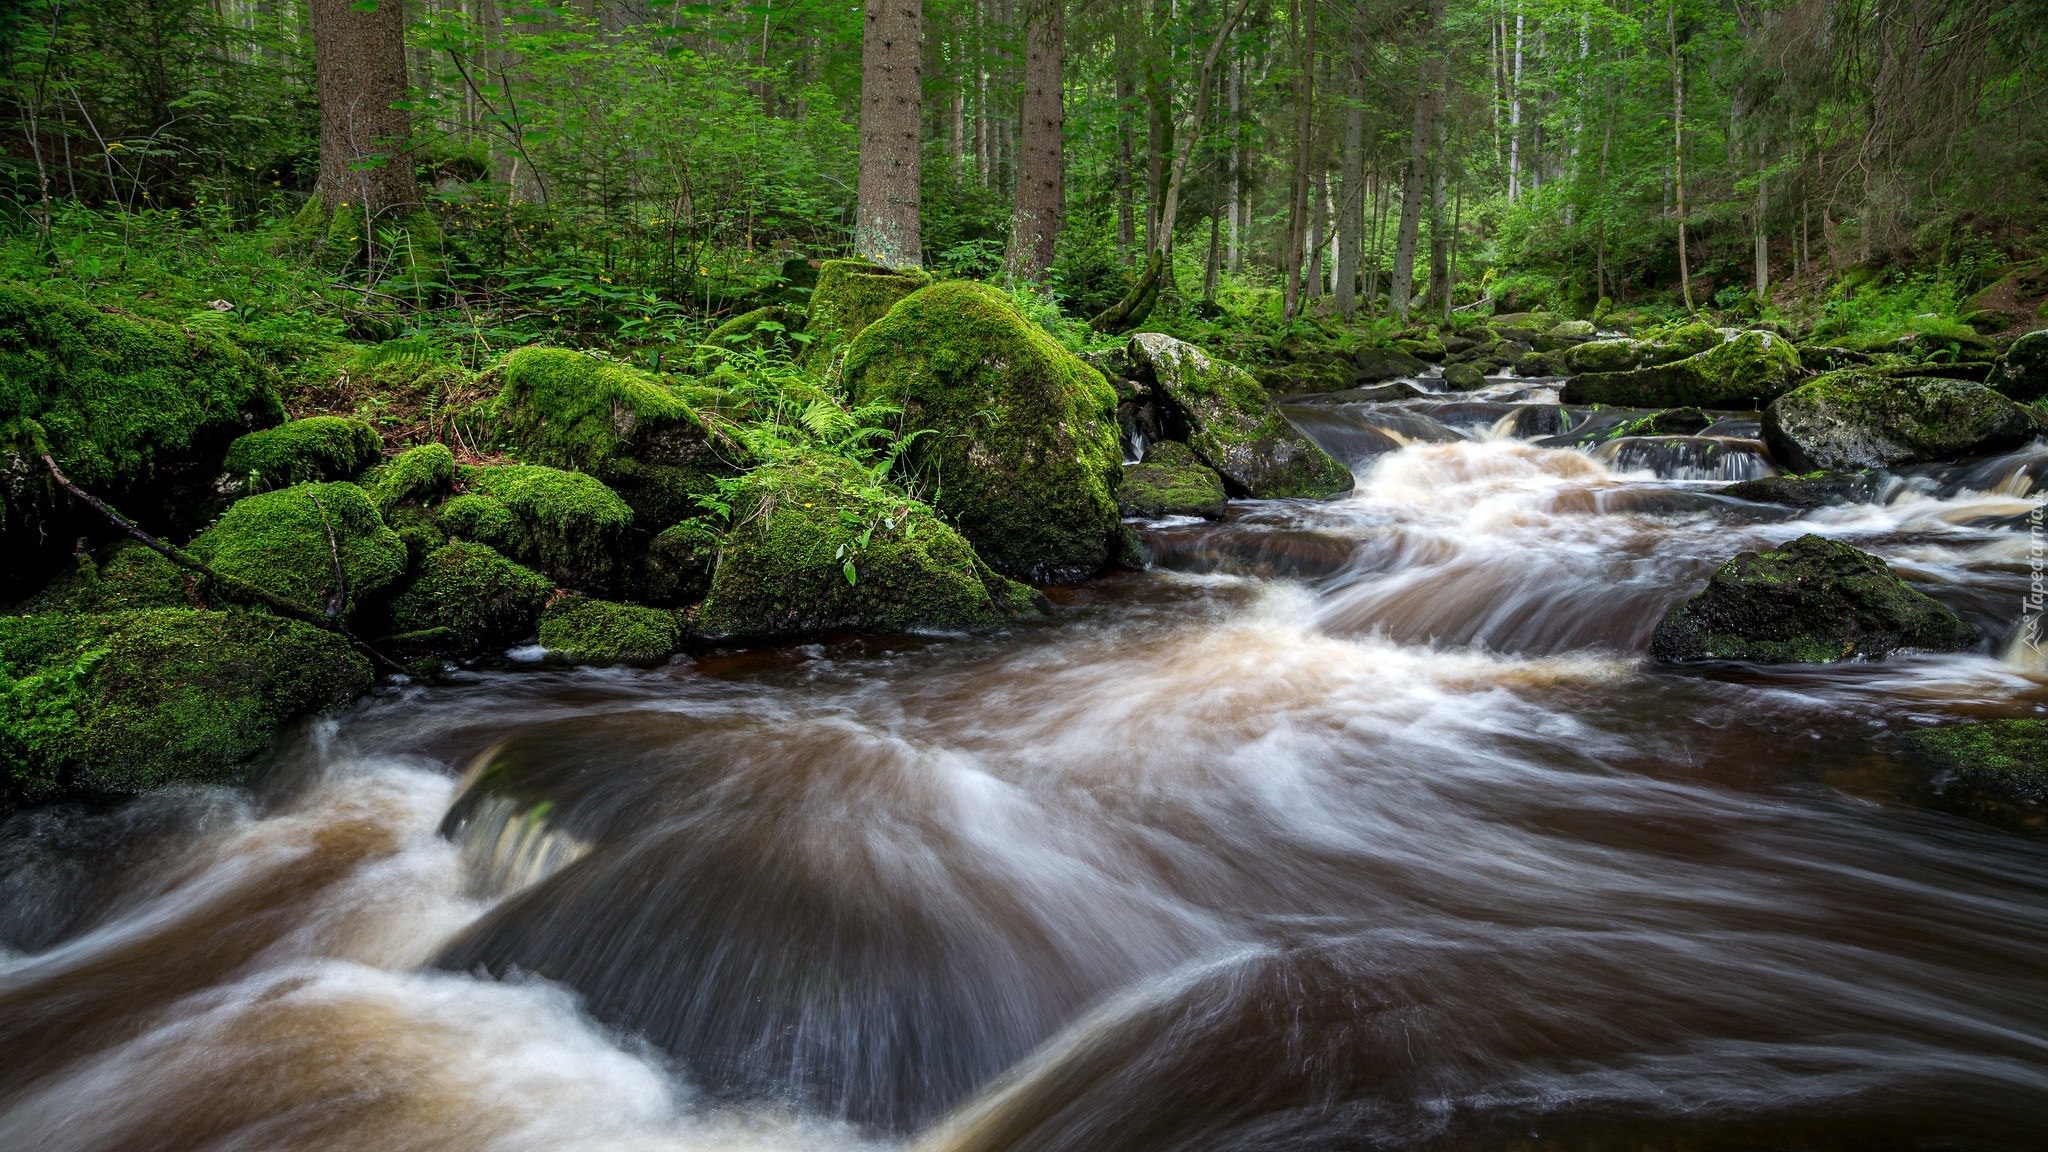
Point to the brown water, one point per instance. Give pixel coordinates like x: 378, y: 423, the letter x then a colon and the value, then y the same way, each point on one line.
x: 1352, y: 825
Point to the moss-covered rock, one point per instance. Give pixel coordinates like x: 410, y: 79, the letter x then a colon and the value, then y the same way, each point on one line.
x: 1748, y: 371
x: 1815, y: 491
x: 568, y: 525
x: 2001, y: 761
x: 1622, y: 355
x: 585, y: 630
x: 2022, y: 373
x: 476, y: 594
x: 1812, y: 601
x: 760, y: 330
x: 676, y: 567
x: 579, y: 413
x: 1669, y: 422
x: 1171, y: 482
x: 1828, y: 358
x: 130, y: 701
x: 317, y: 448
x: 1015, y: 436
x: 1464, y: 377
x: 416, y: 475
x: 285, y: 542
x: 119, y: 577
x: 1233, y: 426
x: 1851, y: 420
x: 1424, y: 347
x: 818, y: 546
x: 138, y: 412
x: 1373, y: 365
x: 851, y: 294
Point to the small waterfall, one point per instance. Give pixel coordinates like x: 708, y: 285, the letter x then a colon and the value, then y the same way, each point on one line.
x: 1687, y: 457
x: 508, y: 843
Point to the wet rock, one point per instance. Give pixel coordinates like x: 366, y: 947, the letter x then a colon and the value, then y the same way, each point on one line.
x: 1464, y: 377
x: 584, y: 630
x: 125, y: 702
x: 1852, y: 420
x: 567, y: 410
x: 1745, y: 372
x: 1572, y: 330
x: 1627, y: 355
x: 286, y: 543
x: 762, y: 329
x: 818, y: 546
x: 1170, y: 482
x: 1022, y: 431
x: 1531, y: 321
x: 851, y: 294
x: 1372, y: 365
x: 2022, y: 373
x: 568, y: 525
x: 317, y: 448
x: 479, y: 596
x: 1424, y: 347
x: 1538, y: 364
x: 1827, y: 358
x: 1812, y: 601
x: 676, y: 567
x: 1669, y: 422
x: 1815, y: 491
x: 1233, y: 426
x: 1533, y: 420
x: 1997, y: 762
x: 1512, y: 334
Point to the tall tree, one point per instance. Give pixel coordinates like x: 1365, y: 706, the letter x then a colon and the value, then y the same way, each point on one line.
x: 1041, y: 173
x: 891, y: 109
x: 1415, y: 180
x: 360, y: 73
x: 1304, y: 140
x: 1352, y: 162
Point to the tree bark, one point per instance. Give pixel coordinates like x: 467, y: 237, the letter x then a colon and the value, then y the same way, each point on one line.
x: 885, y: 221
x: 1041, y: 174
x: 1416, y: 180
x: 1298, y: 192
x: 1678, y: 146
x: 1235, y: 178
x: 1439, y: 239
x: 1352, y: 197
x: 1515, y: 119
x: 359, y: 67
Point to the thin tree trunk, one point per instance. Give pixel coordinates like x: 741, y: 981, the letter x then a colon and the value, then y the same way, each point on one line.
x: 1763, y: 235
x: 1451, y: 278
x: 1515, y: 119
x: 359, y: 65
x: 1126, y: 131
x: 1678, y: 146
x: 1234, y: 178
x: 1439, y: 242
x: 1416, y: 179
x: 1214, y: 263
x: 1304, y: 131
x: 1353, y: 162
x: 886, y: 212
x: 1041, y: 174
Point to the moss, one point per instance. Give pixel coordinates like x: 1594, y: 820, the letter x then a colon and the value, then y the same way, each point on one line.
x: 1669, y: 422
x: 572, y: 411
x: 1812, y: 601
x: 2022, y: 373
x: 850, y: 295
x: 1233, y: 426
x: 1999, y: 760
x: 1015, y: 436
x: 800, y: 528
x: 759, y: 330
x: 568, y: 525
x: 1170, y: 482
x: 1426, y: 347
x: 1751, y: 369
x: 1854, y: 419
x: 126, y: 702
x: 676, y: 567
x: 280, y: 542
x: 590, y: 631
x: 1464, y: 377
x: 1813, y: 491
x: 415, y: 475
x: 316, y: 448
x: 119, y: 577
x: 475, y: 593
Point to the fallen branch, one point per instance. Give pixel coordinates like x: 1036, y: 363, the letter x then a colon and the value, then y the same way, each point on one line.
x: 228, y: 584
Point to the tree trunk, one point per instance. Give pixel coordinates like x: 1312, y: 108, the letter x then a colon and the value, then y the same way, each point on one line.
x: 1318, y: 213
x: 1215, y: 261
x: 1041, y: 174
x: 1415, y: 181
x: 1515, y: 119
x: 1298, y: 191
x: 359, y: 64
x: 1763, y: 235
x: 1678, y: 146
x: 885, y: 220
x: 1126, y: 131
x: 1352, y: 197
x: 1439, y: 239
x: 1234, y: 181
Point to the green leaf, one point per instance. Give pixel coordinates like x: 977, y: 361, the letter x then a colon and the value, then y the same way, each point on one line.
x: 848, y: 569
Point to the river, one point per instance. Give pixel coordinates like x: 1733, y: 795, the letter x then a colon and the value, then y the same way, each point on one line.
x: 1349, y: 825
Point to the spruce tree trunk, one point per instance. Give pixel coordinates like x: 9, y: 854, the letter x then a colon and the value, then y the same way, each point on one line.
x: 1041, y: 174
x: 891, y: 122
x: 1416, y: 179
x: 1298, y: 192
x: 1352, y: 197
x: 1439, y: 237
x: 359, y: 68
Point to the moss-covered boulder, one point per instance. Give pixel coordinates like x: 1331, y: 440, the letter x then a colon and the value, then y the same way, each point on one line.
x: 576, y: 412
x: 119, y: 577
x: 1015, y: 436
x: 1828, y: 358
x: 1812, y: 601
x: 2003, y: 762
x: 416, y: 475
x: 1815, y: 491
x: 1426, y: 346
x: 569, y: 525
x: 2022, y: 373
x: 138, y: 412
x: 1851, y: 420
x: 285, y: 543
x: 819, y: 546
x: 585, y: 630
x: 315, y: 449
x: 772, y: 327
x: 851, y: 294
x: 476, y: 594
x: 1171, y: 482
x: 1745, y: 372
x: 1233, y: 426
x: 1623, y: 355
x: 675, y: 568
x: 1373, y: 365
x: 1464, y: 377
x: 130, y: 701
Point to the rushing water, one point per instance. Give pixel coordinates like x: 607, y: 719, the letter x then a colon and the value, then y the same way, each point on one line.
x: 1358, y: 824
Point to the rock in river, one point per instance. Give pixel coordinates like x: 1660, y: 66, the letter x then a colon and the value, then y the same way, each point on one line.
x: 1233, y: 426
x: 1850, y: 420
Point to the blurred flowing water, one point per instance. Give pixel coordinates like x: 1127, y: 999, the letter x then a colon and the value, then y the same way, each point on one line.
x: 1348, y: 825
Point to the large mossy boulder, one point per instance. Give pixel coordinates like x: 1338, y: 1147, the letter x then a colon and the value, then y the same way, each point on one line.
x: 287, y: 542
x: 1812, y: 601
x: 1374, y: 365
x: 1232, y: 425
x: 567, y: 524
x: 1851, y: 420
x: 818, y: 545
x: 850, y: 295
x: 1999, y: 762
x: 2022, y: 373
x: 125, y: 702
x: 675, y: 568
x: 576, y: 412
x: 119, y: 577
x: 1623, y: 355
x: 1746, y: 372
x: 318, y: 448
x: 584, y: 630
x: 1015, y: 436
x: 1171, y: 482
x: 472, y: 592
x: 417, y: 475
x: 136, y: 411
